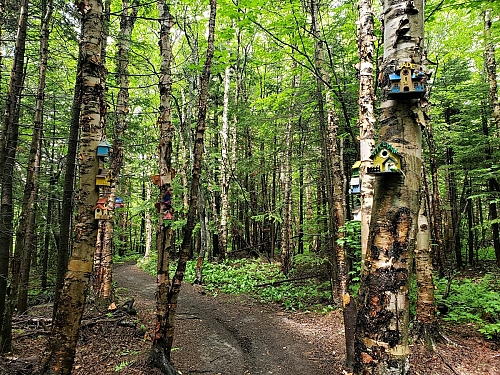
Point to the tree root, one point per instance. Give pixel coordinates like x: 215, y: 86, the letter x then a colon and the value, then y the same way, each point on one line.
x: 428, y: 334
x: 159, y: 360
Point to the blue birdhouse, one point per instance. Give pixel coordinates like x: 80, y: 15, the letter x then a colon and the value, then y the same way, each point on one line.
x: 355, y: 184
x: 407, y: 82
x: 103, y: 148
x: 118, y: 202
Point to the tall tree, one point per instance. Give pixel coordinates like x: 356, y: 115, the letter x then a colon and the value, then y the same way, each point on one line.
x: 382, y: 323
x: 164, y: 331
x: 491, y: 69
x: 366, y: 116
x: 8, y: 149
x: 64, y: 336
x: 160, y: 351
x: 25, y: 233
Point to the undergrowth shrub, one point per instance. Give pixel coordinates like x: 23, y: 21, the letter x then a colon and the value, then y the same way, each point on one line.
x: 475, y: 301
x: 245, y: 276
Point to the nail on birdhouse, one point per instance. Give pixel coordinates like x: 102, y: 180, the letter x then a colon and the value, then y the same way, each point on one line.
x: 407, y: 82
x: 101, y: 210
x: 103, y: 148
x: 102, y: 179
x: 386, y: 159
x: 355, y: 183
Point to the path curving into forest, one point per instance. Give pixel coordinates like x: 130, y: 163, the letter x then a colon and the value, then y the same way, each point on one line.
x: 233, y: 336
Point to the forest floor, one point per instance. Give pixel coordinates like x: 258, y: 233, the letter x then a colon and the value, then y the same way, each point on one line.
x: 227, y: 335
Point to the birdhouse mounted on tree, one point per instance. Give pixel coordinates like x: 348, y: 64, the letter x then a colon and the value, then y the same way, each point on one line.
x: 355, y: 184
x: 101, y: 210
x: 103, y: 148
x: 102, y: 179
x: 167, y: 218
x: 386, y: 159
x: 407, y: 82
x: 118, y: 202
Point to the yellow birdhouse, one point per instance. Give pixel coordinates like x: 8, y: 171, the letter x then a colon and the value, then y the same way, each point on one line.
x: 101, y: 210
x: 386, y: 159
x: 102, y: 179
x: 408, y: 82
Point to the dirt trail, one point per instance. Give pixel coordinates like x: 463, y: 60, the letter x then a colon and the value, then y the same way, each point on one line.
x: 234, y: 337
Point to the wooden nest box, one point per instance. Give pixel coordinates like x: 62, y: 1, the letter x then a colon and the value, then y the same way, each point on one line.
x: 355, y: 183
x: 386, y: 159
x: 102, y: 211
x: 407, y: 82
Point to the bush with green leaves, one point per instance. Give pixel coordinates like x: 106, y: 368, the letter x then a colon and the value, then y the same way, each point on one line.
x: 475, y: 301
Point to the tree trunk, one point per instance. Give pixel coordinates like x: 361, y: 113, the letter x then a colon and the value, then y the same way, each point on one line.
x: 25, y: 234
x: 425, y: 327
x: 224, y: 167
x: 64, y: 337
x: 439, y: 254
x: 382, y: 322
x: 321, y: 78
x: 348, y: 304
x: 66, y: 217
x: 160, y: 355
x: 491, y: 68
x: 366, y: 116
x: 286, y: 205
x: 8, y: 144
x: 160, y: 351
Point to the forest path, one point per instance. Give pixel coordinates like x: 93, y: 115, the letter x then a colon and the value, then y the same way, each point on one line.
x: 233, y: 336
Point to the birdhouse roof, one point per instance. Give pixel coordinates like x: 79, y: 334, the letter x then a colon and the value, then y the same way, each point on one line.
x: 104, y: 143
x: 103, y: 174
x: 394, y: 77
x: 100, y: 206
x: 357, y: 164
x: 383, y: 145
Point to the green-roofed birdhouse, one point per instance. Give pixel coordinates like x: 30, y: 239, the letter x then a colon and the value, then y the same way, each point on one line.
x: 386, y: 159
x: 103, y: 148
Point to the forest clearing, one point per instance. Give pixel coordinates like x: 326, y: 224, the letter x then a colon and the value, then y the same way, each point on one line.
x: 307, y: 186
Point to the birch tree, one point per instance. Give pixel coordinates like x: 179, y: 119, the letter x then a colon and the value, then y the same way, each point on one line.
x: 64, y: 336
x: 382, y: 323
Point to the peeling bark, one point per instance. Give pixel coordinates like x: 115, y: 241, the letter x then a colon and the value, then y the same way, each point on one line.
x: 366, y: 115
x: 382, y: 322
x: 62, y: 345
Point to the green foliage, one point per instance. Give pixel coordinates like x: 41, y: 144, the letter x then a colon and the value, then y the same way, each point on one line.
x: 475, y: 301
x: 122, y: 365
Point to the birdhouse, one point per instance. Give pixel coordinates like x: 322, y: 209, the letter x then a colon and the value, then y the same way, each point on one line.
x: 167, y: 218
x: 167, y: 198
x: 407, y: 82
x: 101, y: 210
x: 156, y: 179
x: 102, y: 179
x: 355, y: 184
x: 386, y: 159
x: 118, y: 202
x: 103, y: 148
x: 165, y: 179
